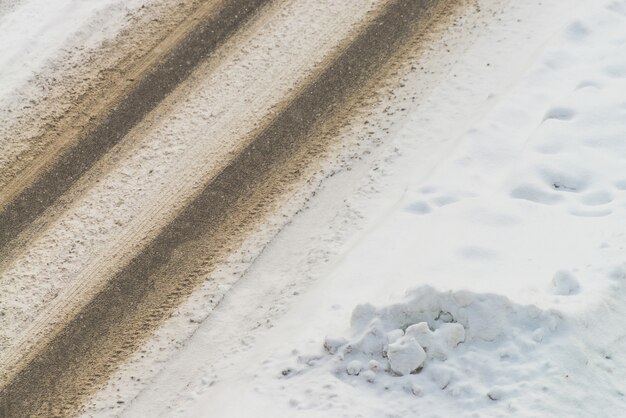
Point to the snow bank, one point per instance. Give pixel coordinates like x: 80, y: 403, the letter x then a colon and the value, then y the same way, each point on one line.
x: 459, y: 342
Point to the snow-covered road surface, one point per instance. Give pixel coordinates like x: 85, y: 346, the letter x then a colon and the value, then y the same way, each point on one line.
x: 499, y: 202
x: 286, y: 208
x: 114, y: 215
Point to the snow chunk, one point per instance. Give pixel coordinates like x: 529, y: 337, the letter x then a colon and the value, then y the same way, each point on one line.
x: 362, y: 315
x: 332, y: 344
x: 405, y: 355
x: 372, y: 341
x: 564, y: 283
x: 394, y: 335
x: 422, y: 334
x: 437, y: 343
x: 370, y: 376
x: 354, y: 367
x: 374, y: 365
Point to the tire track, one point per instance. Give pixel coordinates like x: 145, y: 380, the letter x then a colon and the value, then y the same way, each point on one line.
x: 21, y: 203
x: 103, y: 229
x: 110, y: 326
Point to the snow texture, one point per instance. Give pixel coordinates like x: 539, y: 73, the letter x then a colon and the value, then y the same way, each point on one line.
x: 500, y: 203
x: 526, y: 205
x: 522, y: 222
x: 475, y: 347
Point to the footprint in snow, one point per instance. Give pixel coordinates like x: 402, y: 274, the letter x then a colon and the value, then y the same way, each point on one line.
x: 597, y: 198
x: 576, y: 31
x: 617, y: 7
x: 573, y: 180
x: 444, y: 200
x: 427, y: 189
x: 535, y: 194
x: 419, y: 208
x: 617, y: 70
x: 589, y: 84
x: 620, y: 184
x: 559, y: 113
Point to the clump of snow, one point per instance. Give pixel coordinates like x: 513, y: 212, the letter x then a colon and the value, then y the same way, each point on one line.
x: 405, y: 355
x: 460, y: 342
x: 565, y: 283
x: 440, y: 341
x: 354, y: 367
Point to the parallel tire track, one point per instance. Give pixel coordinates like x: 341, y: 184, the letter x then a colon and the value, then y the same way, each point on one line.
x: 177, y: 64
x: 85, y: 350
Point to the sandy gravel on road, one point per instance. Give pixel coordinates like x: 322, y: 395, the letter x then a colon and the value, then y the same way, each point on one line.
x: 168, y: 159
x: 56, y: 85
x: 110, y: 220
x: 144, y: 182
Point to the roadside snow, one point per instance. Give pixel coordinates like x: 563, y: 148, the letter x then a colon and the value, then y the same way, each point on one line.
x: 33, y: 32
x: 528, y: 212
x: 499, y: 207
x: 49, y: 58
x: 433, y: 345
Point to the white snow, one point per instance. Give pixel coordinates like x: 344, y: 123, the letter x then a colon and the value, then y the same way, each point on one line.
x: 457, y: 342
x: 405, y: 355
x: 473, y: 265
x: 523, y: 221
x: 478, y: 269
x: 564, y: 283
x: 33, y: 32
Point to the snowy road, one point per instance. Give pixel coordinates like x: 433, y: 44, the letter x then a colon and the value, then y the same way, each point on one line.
x: 124, y: 201
x: 499, y: 198
x: 292, y: 208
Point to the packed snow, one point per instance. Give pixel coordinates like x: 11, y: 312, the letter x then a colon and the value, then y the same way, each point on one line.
x: 443, y: 344
x: 482, y: 270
